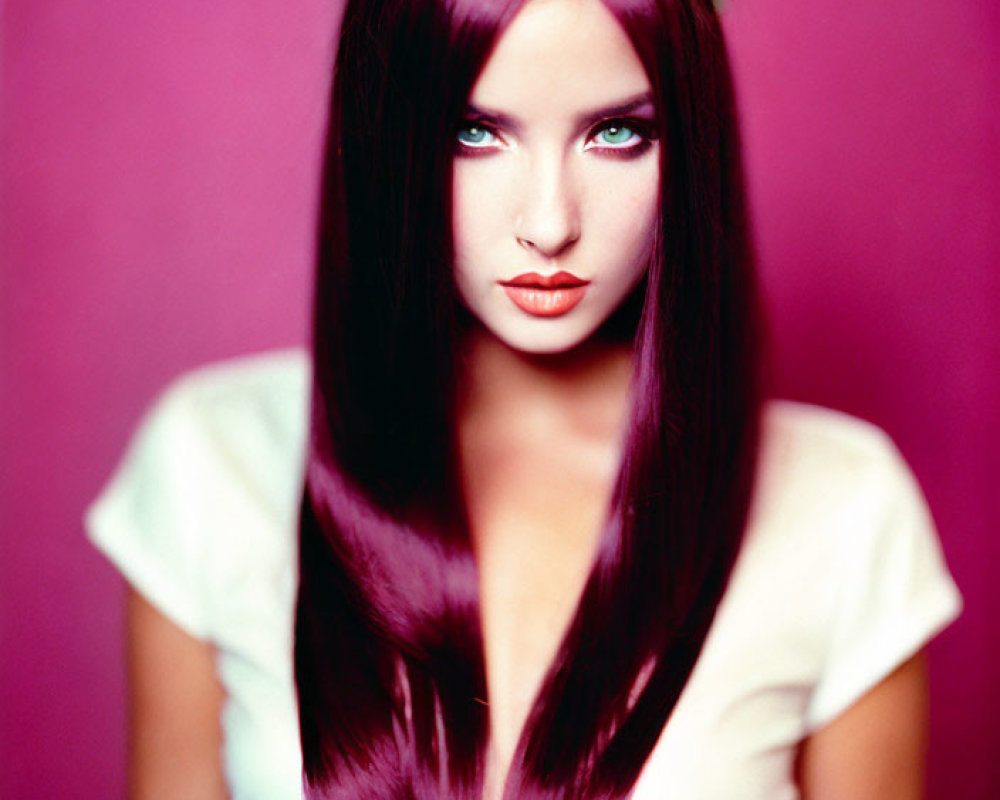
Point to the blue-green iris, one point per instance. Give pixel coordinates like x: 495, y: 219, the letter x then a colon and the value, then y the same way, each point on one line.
x: 473, y: 136
x: 616, y: 134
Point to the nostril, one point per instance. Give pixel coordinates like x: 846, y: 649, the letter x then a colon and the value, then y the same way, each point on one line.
x: 550, y: 235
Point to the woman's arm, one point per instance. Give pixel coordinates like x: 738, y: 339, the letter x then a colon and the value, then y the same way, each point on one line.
x: 875, y: 750
x: 175, y: 701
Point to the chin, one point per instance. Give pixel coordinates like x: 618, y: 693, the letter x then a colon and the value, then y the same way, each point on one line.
x: 543, y: 337
x: 546, y: 348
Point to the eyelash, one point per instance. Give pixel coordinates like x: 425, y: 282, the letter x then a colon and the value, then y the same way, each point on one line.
x: 643, y: 129
x: 639, y: 127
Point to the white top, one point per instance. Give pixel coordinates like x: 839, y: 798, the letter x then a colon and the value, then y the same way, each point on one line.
x: 840, y: 579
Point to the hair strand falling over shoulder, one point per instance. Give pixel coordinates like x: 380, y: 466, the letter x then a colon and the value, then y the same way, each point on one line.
x: 389, y: 662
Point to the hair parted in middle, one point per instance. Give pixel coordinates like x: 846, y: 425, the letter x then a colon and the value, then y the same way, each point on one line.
x: 389, y: 661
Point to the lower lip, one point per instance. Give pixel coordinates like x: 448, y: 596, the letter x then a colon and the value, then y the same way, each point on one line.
x: 545, y: 302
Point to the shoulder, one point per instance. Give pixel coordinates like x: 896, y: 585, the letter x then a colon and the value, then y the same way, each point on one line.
x: 839, y: 521
x: 244, y: 419
x: 223, y: 448
x: 816, y: 463
x: 840, y: 518
x: 803, y: 436
x: 268, y: 371
x: 833, y: 490
x: 265, y: 388
x: 206, y: 495
x: 200, y: 517
x: 839, y: 581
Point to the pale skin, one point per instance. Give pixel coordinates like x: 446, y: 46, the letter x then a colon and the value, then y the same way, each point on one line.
x: 540, y: 422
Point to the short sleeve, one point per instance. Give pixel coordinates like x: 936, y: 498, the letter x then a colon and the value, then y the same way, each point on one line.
x: 893, y: 593
x: 147, y: 521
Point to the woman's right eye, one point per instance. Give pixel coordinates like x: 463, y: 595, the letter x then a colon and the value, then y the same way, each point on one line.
x: 475, y: 136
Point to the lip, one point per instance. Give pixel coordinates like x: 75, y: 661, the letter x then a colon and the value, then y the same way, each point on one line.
x: 532, y: 280
x: 545, y: 295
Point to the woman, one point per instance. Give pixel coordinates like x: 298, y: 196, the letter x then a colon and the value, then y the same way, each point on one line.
x: 549, y: 544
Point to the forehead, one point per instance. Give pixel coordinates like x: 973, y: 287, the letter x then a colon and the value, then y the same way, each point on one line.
x: 560, y: 54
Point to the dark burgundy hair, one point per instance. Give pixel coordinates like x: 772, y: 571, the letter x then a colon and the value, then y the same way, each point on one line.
x: 389, y: 658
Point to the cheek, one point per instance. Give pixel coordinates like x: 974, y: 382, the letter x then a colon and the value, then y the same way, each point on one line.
x: 629, y: 217
x: 460, y: 212
x: 474, y: 214
x: 644, y: 198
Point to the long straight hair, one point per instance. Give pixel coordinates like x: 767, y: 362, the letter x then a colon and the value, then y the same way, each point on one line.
x: 389, y: 661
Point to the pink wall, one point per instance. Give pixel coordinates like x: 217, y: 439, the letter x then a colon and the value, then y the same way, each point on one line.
x: 159, y: 168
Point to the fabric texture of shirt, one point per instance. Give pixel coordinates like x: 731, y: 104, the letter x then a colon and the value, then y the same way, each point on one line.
x: 839, y: 580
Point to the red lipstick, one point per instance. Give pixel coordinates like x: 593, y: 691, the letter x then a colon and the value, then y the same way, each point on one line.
x: 545, y: 296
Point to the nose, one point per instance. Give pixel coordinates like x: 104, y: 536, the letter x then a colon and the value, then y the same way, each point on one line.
x: 548, y: 221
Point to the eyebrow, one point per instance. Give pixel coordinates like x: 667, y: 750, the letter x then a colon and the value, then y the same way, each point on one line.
x: 584, y: 120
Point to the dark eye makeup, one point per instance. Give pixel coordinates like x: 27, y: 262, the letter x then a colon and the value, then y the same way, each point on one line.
x: 623, y: 137
x: 475, y: 138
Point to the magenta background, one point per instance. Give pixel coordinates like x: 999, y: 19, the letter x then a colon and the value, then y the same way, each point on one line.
x: 158, y: 176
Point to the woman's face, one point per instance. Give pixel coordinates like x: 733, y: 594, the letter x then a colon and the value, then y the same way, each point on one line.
x: 556, y: 177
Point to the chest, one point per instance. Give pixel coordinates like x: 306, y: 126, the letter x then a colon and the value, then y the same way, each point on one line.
x: 733, y: 734
x: 536, y: 514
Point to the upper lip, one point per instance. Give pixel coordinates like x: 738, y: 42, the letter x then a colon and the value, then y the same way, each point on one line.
x: 560, y: 280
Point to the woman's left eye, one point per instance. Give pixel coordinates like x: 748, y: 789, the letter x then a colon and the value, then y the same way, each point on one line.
x: 617, y: 135
x: 620, y: 135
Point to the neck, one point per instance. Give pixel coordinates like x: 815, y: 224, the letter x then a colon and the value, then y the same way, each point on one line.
x: 540, y: 440
x: 588, y: 384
